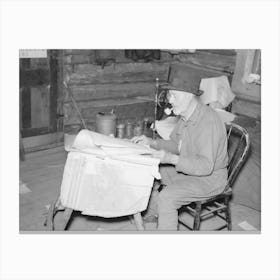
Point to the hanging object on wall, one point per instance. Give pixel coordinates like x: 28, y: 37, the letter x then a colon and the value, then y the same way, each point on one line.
x: 146, y: 55
x: 104, y: 57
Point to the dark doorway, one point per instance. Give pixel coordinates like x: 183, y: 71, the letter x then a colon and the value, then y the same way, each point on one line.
x: 40, y: 88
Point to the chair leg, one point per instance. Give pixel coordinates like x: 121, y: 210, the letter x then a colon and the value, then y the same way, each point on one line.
x: 228, y: 214
x: 67, y: 216
x: 138, y: 221
x: 54, y: 208
x: 196, y: 223
x: 49, y: 222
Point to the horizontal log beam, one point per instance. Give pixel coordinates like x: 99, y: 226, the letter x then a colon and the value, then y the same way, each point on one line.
x: 118, y: 73
x: 79, y: 51
x: 124, y: 109
x: 85, y: 79
x: 119, y: 57
x: 105, y: 91
x: 79, y: 59
x: 209, y: 60
x: 228, y: 52
x: 121, y: 68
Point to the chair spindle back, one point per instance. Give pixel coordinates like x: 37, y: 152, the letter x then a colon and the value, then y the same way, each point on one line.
x: 238, y: 150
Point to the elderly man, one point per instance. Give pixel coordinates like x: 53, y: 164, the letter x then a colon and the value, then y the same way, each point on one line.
x: 194, y: 160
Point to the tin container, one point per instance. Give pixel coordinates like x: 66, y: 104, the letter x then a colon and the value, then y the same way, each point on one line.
x: 106, y: 123
x: 121, y: 130
x: 138, y: 129
x: 129, y: 130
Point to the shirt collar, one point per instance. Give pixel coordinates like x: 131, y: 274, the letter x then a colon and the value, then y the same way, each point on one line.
x: 194, y: 116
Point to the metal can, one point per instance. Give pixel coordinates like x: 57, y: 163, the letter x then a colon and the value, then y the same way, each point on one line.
x: 128, y: 130
x: 120, y: 130
x: 138, y: 129
x: 106, y: 123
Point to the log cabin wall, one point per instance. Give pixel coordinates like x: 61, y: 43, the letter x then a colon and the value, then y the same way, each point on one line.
x: 124, y: 85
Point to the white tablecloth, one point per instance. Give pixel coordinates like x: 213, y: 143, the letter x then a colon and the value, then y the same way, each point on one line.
x: 107, y: 183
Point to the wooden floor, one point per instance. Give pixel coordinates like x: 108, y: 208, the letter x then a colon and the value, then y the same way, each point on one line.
x: 247, y: 187
x: 41, y: 175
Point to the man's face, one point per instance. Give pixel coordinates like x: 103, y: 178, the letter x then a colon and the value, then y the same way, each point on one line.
x: 179, y: 100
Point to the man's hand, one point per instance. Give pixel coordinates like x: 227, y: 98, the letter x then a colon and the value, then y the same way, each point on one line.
x: 143, y: 140
x: 166, y: 157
